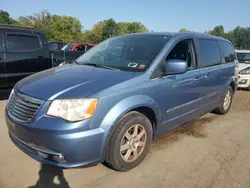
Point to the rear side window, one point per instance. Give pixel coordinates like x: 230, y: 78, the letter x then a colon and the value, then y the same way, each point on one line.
x: 227, y: 52
x: 209, y: 53
x: 22, y: 42
x: 1, y: 42
x: 80, y: 48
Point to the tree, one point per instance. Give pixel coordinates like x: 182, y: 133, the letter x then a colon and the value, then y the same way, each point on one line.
x: 6, y: 19
x: 63, y: 28
x: 94, y: 35
x: 109, y: 28
x: 131, y: 27
x: 230, y: 36
x: 242, y: 37
x: 218, y: 31
x: 183, y: 30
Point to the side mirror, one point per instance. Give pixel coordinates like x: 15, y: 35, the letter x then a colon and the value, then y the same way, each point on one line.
x: 174, y: 66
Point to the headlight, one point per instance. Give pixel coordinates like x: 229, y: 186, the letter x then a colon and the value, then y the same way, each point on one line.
x: 73, y: 109
x: 245, y: 71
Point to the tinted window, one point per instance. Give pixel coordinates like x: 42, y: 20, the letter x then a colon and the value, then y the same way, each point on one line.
x: 1, y: 42
x: 53, y: 46
x: 22, y: 42
x: 80, y: 48
x: 68, y: 47
x: 209, y: 53
x: 227, y: 52
x: 243, y: 57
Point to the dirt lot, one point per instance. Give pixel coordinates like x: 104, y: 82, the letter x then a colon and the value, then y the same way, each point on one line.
x: 213, y: 151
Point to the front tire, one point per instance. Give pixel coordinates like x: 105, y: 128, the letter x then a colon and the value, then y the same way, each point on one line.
x: 129, y: 142
x: 226, y: 103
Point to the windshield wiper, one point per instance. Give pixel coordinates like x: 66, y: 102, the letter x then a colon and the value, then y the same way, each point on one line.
x: 101, y: 66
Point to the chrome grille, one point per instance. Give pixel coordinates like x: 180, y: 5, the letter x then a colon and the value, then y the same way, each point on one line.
x: 23, y: 107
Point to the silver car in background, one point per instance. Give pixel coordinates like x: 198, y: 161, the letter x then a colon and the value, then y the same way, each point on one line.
x: 243, y: 69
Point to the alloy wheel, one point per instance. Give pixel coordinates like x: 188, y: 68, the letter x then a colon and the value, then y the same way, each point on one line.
x: 133, y: 143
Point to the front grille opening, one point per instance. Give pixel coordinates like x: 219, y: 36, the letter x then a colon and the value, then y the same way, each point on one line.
x: 22, y: 107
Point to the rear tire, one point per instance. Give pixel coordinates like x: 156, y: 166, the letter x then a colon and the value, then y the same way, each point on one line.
x: 129, y: 142
x: 226, y: 103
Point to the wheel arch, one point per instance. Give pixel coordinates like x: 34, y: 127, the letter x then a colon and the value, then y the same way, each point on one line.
x: 233, y: 84
x: 140, y: 103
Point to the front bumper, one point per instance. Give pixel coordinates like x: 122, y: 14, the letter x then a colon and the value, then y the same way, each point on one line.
x: 62, y: 148
x: 244, y: 81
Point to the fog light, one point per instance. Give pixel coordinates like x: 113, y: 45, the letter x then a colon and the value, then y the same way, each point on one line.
x: 43, y: 155
x: 244, y: 81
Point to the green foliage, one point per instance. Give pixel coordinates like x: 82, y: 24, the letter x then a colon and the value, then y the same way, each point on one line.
x: 230, y: 36
x: 109, y: 28
x: 94, y: 35
x: 183, y: 30
x: 240, y: 36
x: 131, y: 27
x: 218, y: 31
x: 64, y: 28
x: 6, y: 19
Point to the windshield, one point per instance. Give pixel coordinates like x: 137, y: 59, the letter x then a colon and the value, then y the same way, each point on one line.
x: 244, y: 57
x: 68, y: 47
x: 129, y: 52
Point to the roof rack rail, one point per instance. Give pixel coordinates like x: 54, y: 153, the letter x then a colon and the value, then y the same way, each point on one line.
x: 15, y: 26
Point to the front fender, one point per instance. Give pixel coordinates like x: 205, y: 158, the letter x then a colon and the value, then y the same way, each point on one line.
x: 123, y: 107
x: 126, y: 105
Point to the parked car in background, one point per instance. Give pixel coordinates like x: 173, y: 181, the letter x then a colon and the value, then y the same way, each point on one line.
x: 110, y: 106
x: 244, y: 68
x: 67, y: 47
x: 70, y: 52
x: 56, y: 45
x: 23, y: 51
x: 78, y: 47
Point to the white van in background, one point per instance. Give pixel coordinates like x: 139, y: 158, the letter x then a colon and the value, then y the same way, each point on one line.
x: 244, y: 69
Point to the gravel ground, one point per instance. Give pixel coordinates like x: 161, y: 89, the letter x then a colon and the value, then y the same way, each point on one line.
x: 212, y: 151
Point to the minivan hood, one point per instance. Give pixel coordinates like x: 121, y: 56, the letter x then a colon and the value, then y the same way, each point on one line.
x: 70, y: 81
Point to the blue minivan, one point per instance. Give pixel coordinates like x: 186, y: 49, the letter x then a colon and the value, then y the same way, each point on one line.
x: 116, y: 98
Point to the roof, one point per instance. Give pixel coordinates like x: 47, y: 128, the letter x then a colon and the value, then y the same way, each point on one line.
x: 52, y: 41
x: 182, y: 34
x: 6, y: 26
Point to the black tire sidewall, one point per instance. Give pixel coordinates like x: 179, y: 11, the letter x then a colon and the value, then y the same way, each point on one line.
x: 130, y: 119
